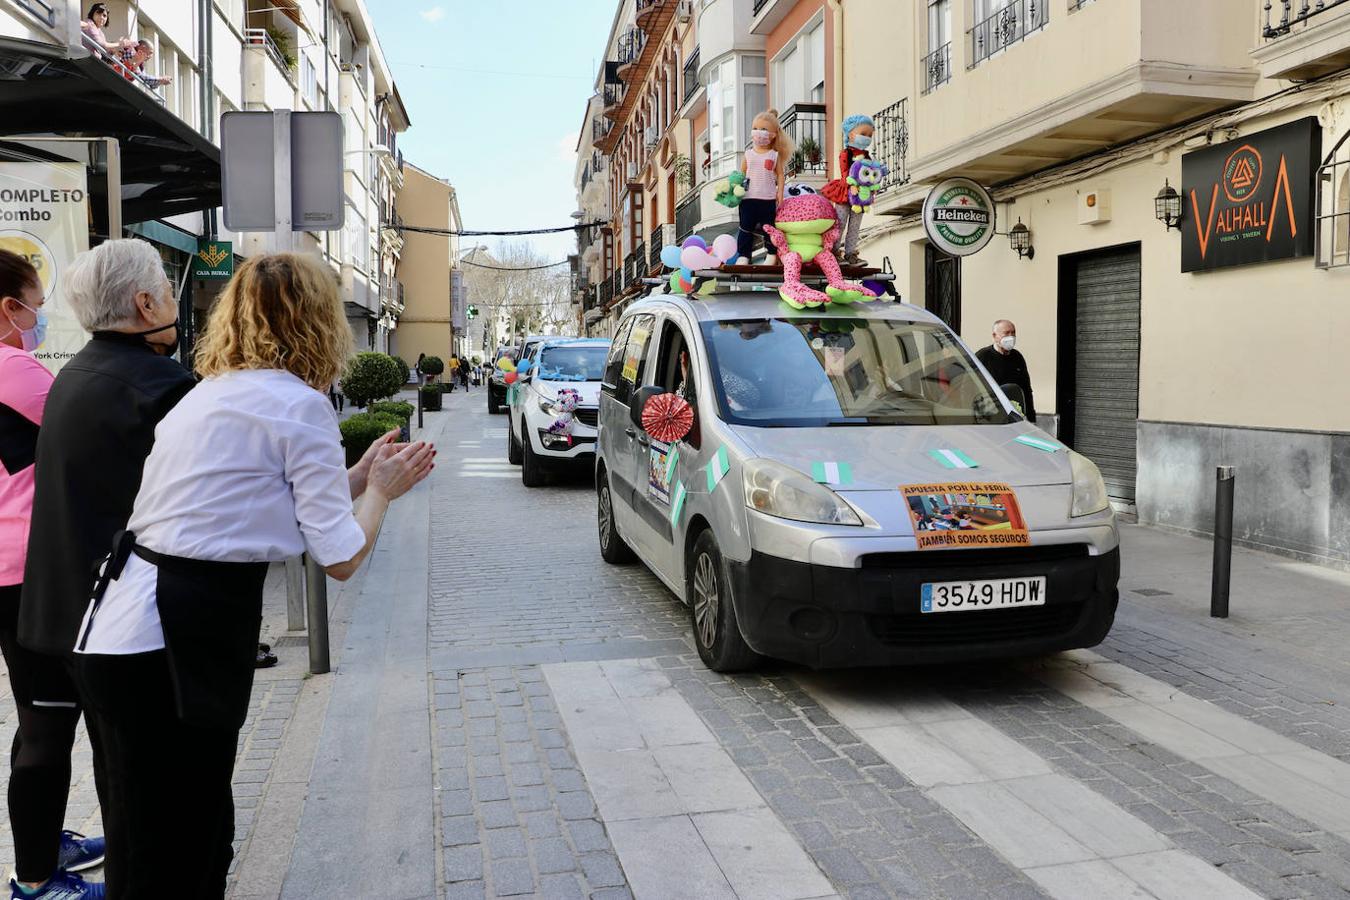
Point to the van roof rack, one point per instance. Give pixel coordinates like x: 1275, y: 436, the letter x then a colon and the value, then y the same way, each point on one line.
x: 749, y: 278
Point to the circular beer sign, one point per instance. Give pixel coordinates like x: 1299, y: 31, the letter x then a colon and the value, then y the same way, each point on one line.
x: 958, y: 216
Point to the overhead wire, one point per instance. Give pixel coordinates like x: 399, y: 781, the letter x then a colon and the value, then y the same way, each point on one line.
x: 460, y: 232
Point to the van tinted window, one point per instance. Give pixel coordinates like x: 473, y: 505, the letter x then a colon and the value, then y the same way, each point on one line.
x: 635, y: 349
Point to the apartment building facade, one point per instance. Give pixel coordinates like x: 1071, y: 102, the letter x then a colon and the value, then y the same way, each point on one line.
x: 212, y: 57
x: 427, y: 271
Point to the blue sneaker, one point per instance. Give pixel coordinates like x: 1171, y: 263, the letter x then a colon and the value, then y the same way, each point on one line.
x: 79, y: 852
x: 61, y: 886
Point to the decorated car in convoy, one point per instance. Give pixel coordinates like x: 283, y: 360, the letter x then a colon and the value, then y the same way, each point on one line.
x: 552, y: 410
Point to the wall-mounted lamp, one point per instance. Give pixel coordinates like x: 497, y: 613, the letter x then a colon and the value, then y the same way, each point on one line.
x: 1019, y: 238
x: 1167, y: 206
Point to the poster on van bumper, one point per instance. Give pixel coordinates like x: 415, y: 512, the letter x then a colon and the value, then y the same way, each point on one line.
x: 965, y: 514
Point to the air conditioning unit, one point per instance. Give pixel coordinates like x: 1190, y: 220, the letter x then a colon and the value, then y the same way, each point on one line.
x: 684, y: 11
x: 667, y: 234
x: 650, y: 136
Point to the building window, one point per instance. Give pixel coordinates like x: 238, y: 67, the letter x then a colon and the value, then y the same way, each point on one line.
x: 999, y: 23
x: 722, y: 117
x: 799, y: 69
x: 937, y: 63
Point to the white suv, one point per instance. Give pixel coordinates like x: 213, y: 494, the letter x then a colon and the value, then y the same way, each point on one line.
x: 546, y: 423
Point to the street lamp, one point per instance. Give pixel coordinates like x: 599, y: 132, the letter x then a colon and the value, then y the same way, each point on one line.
x: 1167, y: 206
x: 1019, y: 238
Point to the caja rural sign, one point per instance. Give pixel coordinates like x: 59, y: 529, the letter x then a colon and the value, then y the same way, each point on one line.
x: 1250, y: 200
x: 958, y: 217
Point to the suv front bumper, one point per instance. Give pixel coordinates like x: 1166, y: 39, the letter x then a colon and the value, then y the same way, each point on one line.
x: 827, y: 617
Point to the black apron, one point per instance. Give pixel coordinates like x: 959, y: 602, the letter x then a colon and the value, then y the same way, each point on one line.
x: 211, y: 615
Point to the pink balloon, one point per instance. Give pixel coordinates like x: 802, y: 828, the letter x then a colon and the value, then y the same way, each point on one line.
x: 695, y: 258
x: 724, y: 247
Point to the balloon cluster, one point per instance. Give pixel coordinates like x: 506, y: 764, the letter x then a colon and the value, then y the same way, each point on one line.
x: 694, y: 255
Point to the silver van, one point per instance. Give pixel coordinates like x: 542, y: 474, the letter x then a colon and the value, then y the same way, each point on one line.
x: 853, y: 490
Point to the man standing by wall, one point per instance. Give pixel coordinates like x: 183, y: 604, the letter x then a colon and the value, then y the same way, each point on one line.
x: 1006, y: 364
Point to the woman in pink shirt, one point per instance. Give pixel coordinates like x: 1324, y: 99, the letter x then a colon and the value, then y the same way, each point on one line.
x: 39, y: 780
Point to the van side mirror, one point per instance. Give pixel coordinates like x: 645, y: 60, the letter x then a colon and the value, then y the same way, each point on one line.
x: 639, y: 402
x: 1014, y: 393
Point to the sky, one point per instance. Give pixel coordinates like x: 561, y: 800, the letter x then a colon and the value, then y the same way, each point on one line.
x: 496, y: 91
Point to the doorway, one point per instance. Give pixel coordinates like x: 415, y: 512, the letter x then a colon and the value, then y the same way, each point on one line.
x: 942, y: 286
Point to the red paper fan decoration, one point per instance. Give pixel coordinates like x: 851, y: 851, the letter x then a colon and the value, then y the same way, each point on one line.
x: 667, y: 417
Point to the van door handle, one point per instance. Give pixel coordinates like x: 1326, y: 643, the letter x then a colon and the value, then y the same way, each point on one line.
x: 630, y: 432
x: 643, y: 439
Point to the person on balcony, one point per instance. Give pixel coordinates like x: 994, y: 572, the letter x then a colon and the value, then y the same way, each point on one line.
x: 94, y: 23
x: 134, y: 59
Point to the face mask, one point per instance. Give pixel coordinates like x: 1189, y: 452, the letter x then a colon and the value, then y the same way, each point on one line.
x: 1008, y: 342
x: 761, y: 136
x: 31, y: 338
x: 168, y: 349
x: 861, y: 141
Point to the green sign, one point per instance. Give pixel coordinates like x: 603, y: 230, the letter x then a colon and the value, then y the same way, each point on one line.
x: 213, y: 259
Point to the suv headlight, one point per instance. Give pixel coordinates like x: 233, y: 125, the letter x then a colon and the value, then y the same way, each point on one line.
x: 777, y: 490
x: 1089, y: 491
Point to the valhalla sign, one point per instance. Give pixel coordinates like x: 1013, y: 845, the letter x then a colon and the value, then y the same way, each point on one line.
x: 958, y: 217
x: 1250, y: 200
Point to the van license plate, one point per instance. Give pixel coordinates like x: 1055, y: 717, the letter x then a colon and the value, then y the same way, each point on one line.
x: 997, y: 593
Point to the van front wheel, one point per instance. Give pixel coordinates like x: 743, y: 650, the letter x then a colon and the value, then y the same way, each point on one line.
x: 712, y: 613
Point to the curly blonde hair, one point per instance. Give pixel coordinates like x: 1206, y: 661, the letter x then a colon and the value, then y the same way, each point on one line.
x: 279, y: 311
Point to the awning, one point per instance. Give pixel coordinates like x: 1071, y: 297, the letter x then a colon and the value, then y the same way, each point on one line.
x: 167, y: 167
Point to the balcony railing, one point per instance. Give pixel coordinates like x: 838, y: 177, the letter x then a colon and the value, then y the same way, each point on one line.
x: 759, y: 4
x: 630, y: 46
x: 44, y: 11
x: 646, y: 7
x: 1076, y: 5
x: 146, y: 82
x: 654, y: 249
x: 605, y: 292
x: 258, y: 37
x: 613, y: 96
x: 691, y: 82
x: 937, y: 68
x: 1006, y: 26
x: 600, y: 128
x: 890, y: 146
x: 687, y: 215
x: 805, y: 124
x: 1292, y: 13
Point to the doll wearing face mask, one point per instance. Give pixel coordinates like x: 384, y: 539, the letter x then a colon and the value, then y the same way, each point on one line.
x: 857, y: 133
x: 762, y: 166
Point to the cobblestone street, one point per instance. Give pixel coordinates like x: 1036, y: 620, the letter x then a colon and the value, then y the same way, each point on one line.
x: 510, y: 716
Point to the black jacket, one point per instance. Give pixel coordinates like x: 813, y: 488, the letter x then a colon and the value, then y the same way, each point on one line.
x: 1009, y: 368
x: 97, y: 430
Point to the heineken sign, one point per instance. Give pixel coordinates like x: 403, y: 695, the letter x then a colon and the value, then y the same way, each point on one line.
x: 213, y: 259
x: 958, y: 217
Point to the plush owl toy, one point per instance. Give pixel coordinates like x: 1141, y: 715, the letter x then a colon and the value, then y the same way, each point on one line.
x: 863, y: 177
x: 565, y: 406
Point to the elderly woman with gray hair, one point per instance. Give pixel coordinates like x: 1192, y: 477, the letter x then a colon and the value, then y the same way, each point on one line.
x: 97, y: 429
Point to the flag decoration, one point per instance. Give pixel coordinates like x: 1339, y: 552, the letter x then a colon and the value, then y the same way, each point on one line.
x: 677, y: 503
x: 672, y: 458
x: 832, y: 472
x: 953, y: 459
x: 718, y: 467
x: 1039, y: 443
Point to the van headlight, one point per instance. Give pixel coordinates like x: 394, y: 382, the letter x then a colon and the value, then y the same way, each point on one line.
x: 1089, y: 491
x: 777, y: 490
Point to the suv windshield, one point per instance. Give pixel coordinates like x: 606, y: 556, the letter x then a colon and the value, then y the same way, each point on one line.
x: 807, y: 372
x: 573, y: 363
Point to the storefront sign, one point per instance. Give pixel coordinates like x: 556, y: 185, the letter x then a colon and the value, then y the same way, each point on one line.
x: 1250, y: 200
x: 959, y: 217
x: 213, y: 259
x: 44, y: 217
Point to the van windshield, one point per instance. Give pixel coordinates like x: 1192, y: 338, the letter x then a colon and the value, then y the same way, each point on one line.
x: 810, y: 372
x: 573, y: 363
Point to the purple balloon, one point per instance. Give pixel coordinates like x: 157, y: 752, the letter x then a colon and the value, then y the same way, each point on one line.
x: 694, y: 241
x: 875, y: 287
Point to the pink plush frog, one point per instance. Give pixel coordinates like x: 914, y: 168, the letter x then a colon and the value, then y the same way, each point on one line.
x: 804, y: 230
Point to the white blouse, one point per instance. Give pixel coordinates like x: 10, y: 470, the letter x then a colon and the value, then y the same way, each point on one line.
x: 248, y: 467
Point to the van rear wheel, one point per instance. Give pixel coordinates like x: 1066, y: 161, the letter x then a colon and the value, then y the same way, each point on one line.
x: 717, y: 634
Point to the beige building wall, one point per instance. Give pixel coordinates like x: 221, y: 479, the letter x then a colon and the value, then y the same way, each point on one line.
x: 424, y: 269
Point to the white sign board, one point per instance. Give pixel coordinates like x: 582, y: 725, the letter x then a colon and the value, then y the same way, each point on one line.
x: 959, y: 217
x: 44, y: 217
x: 458, y: 301
x: 251, y: 146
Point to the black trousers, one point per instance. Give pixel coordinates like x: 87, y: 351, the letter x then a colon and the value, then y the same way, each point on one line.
x: 39, y: 758
x: 169, y: 814
x: 754, y: 215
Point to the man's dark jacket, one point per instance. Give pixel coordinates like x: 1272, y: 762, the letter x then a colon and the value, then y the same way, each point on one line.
x: 97, y: 429
x: 1009, y: 368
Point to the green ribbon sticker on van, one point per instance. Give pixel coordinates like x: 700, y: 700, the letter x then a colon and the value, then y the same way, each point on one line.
x: 672, y: 458
x: 832, y: 473
x: 953, y: 459
x: 718, y: 467
x: 677, y: 503
x: 1039, y: 443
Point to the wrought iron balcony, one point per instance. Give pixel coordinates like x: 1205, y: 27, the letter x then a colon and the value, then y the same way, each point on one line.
x: 890, y: 145
x: 645, y: 9
x: 1005, y: 27
x: 1293, y: 13
x: 605, y: 292
x: 687, y: 215
x: 937, y: 68
x: 805, y: 124
x: 630, y: 47
x: 612, y: 96
x: 759, y: 4
x: 600, y: 127
x: 1075, y: 5
x: 691, y: 82
x: 654, y: 248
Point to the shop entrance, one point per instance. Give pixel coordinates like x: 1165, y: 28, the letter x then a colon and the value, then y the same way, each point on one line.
x: 1098, y: 383
x: 942, y: 286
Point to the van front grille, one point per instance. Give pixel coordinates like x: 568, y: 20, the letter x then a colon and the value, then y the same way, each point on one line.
x: 979, y: 627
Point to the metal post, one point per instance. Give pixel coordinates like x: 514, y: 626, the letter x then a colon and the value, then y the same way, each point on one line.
x: 419, y: 407
x: 295, y: 594
x: 281, y: 180
x: 1225, y: 481
x: 316, y: 593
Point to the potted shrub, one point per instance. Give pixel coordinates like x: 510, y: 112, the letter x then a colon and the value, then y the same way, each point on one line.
x: 432, y: 367
x: 362, y: 430
x: 403, y: 365
x: 431, y: 397
x: 811, y: 151
x: 400, y: 409
x: 370, y: 377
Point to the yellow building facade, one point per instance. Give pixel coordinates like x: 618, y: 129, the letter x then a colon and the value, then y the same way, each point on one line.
x: 426, y: 268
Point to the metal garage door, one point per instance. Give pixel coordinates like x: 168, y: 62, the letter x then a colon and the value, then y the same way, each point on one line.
x: 1106, y: 383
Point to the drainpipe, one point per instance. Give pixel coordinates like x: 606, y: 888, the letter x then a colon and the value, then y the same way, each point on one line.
x: 837, y: 89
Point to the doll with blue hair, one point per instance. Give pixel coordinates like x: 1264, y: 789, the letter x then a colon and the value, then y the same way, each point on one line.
x: 857, y: 133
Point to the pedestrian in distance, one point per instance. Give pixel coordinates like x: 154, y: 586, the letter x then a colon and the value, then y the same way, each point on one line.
x: 421, y: 376
x: 246, y: 470
x: 44, y: 695
x: 1006, y: 364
